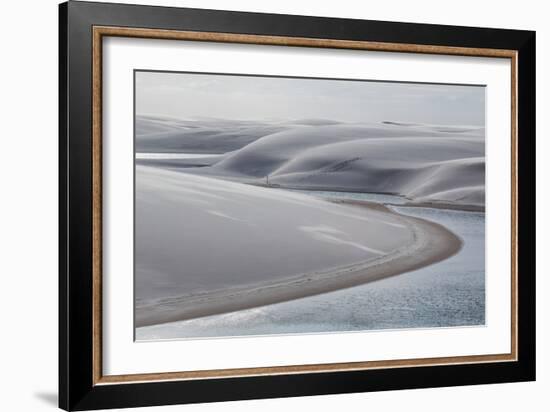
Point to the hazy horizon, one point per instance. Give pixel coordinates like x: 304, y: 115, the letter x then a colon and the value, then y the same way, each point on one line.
x: 257, y: 98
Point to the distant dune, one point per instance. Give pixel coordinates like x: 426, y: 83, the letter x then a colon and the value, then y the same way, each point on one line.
x: 206, y: 246
x: 198, y: 136
x: 425, y: 163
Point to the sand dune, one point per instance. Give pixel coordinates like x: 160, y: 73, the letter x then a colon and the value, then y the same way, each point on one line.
x: 270, y: 152
x: 409, y: 168
x: 425, y: 163
x: 198, y: 136
x: 266, y: 245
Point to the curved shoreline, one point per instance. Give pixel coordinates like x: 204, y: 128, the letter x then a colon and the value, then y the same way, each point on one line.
x: 431, y: 243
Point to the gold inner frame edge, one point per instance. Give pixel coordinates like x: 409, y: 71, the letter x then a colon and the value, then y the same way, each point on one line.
x: 101, y: 31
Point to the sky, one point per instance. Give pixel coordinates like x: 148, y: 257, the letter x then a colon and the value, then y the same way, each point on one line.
x: 190, y: 95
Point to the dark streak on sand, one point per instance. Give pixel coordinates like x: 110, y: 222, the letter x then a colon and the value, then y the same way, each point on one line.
x: 442, y: 205
x: 432, y: 243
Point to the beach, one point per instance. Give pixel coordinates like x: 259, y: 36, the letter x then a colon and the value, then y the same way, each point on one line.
x: 387, y: 244
x: 449, y: 293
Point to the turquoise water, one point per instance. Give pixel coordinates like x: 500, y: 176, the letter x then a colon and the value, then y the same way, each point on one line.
x: 446, y: 294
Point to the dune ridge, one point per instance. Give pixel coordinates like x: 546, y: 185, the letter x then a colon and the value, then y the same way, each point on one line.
x: 424, y: 163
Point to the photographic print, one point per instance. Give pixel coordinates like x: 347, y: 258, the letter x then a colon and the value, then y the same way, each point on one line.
x: 284, y: 205
x: 263, y: 205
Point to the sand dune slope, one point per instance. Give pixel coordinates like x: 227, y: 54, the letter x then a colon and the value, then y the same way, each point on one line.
x: 421, y: 163
x: 199, y: 136
x: 247, y: 245
x: 426, y: 163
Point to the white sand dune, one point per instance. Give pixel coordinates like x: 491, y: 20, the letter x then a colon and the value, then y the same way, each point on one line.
x: 154, y: 134
x: 424, y: 163
x: 207, y: 245
x: 418, y: 168
x: 270, y: 152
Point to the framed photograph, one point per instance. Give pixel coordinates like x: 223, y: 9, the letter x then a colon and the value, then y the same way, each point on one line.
x: 256, y: 205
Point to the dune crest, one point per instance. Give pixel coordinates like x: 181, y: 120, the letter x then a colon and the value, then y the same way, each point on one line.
x: 425, y: 163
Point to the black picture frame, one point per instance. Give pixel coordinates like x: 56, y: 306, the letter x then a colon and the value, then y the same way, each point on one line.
x: 77, y: 388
